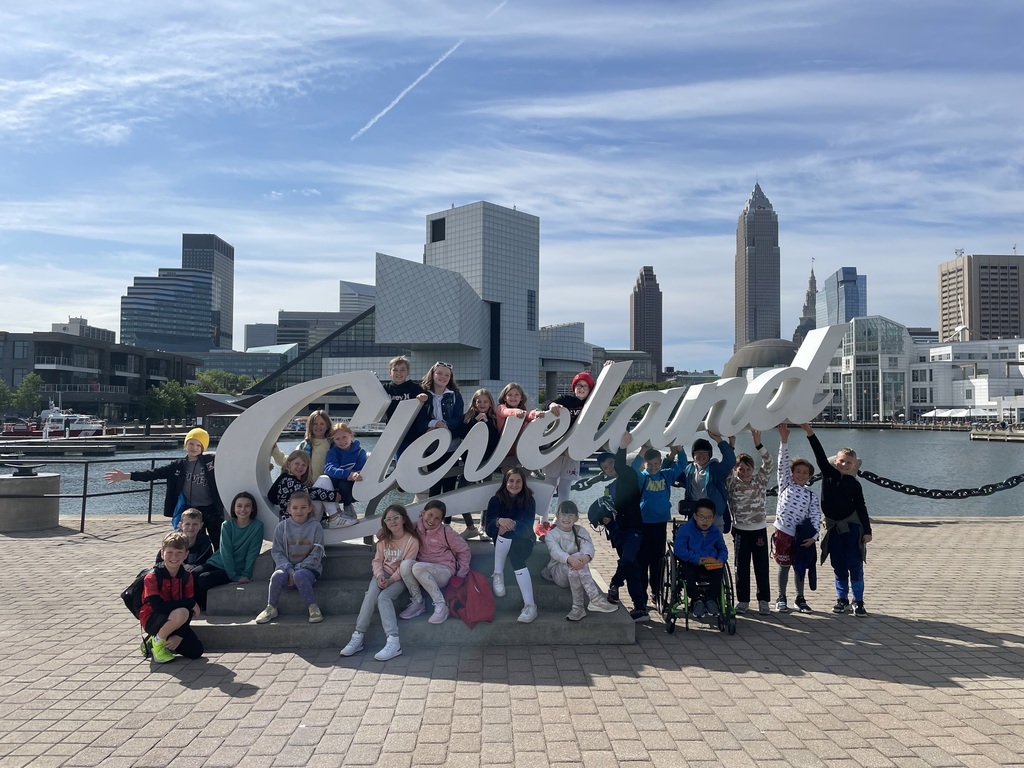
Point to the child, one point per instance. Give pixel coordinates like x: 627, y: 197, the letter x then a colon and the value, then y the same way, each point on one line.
x: 241, y: 537
x: 480, y: 411
x: 655, y: 510
x: 397, y: 542
x: 401, y: 388
x: 441, y: 555
x: 700, y: 548
x: 317, y: 441
x: 509, y: 522
x: 512, y: 404
x: 294, y: 477
x: 298, y: 553
x: 746, y: 493
x: 564, y: 470
x: 798, y: 505
x: 704, y: 477
x: 847, y: 525
x: 190, y: 483
x: 572, y: 551
x: 344, y: 460
x: 169, y: 604
x: 199, y: 547
x: 443, y: 409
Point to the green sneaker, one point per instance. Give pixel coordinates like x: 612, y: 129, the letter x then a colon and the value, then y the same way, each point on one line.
x: 146, y: 648
x: 161, y: 652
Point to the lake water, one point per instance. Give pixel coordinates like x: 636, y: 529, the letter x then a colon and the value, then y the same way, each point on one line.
x: 944, y: 460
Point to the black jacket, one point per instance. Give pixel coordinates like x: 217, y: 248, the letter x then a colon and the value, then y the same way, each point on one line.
x: 176, y: 474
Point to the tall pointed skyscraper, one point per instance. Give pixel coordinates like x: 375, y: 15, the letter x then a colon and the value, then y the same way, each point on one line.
x: 645, y: 318
x: 757, y: 271
x: 808, y: 315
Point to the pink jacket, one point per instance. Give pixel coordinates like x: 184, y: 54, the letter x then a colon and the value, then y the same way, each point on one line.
x: 444, y: 547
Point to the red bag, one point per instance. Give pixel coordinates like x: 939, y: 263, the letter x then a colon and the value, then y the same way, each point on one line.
x: 782, y: 546
x: 470, y: 599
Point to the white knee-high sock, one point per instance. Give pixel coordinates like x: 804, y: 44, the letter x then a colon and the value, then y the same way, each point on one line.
x: 501, y: 548
x: 525, y: 585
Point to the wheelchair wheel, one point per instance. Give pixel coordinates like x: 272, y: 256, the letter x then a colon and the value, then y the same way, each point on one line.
x: 731, y: 625
x: 669, y: 592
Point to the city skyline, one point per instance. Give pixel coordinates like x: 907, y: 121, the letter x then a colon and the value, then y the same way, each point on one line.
x: 312, y: 140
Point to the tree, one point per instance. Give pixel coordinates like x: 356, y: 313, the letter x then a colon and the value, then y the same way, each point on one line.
x: 170, y: 400
x: 6, y: 397
x: 26, y: 399
x: 221, y: 382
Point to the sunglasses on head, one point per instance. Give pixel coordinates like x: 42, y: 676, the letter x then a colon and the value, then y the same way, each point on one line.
x: 446, y: 365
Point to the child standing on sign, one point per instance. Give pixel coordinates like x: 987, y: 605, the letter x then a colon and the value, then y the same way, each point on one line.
x: 444, y: 409
x: 512, y: 404
x: 747, y: 490
x: 572, y: 551
x: 797, y: 521
x: 298, y: 553
x: 480, y: 411
x: 564, y: 470
x: 399, y: 389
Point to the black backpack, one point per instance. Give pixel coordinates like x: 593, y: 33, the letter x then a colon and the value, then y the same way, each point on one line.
x: 132, y: 594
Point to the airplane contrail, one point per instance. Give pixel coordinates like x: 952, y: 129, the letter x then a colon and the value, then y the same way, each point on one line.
x: 419, y: 79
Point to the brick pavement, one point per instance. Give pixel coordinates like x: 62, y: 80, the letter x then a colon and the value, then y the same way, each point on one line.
x: 935, y: 677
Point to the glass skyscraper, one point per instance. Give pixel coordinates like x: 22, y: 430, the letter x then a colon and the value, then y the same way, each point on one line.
x: 843, y: 297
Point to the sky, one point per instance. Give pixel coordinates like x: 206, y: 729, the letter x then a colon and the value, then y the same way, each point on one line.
x: 310, y: 135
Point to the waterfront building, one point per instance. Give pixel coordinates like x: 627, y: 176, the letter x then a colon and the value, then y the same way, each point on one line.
x: 980, y: 297
x: 808, y: 314
x: 757, y: 271
x: 190, y: 309
x: 843, y: 296
x: 645, y: 320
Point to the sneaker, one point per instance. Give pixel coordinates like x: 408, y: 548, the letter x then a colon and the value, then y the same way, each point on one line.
x: 498, y: 584
x: 315, y: 617
x: 841, y: 605
x: 802, y: 605
x: 471, y: 532
x: 146, y: 649
x: 764, y: 607
x: 391, y: 649
x: 711, y: 608
x: 698, y: 609
x: 412, y: 610
x: 613, y: 595
x: 781, y: 606
x: 578, y: 612
x: 440, y: 614
x: 528, y: 614
x: 161, y: 652
x: 742, y: 607
x: 599, y: 604
x: 355, y: 645
x: 640, y: 614
x: 541, y: 529
x: 858, y: 609
x: 267, y: 614
x: 339, y: 521
x: 349, y: 511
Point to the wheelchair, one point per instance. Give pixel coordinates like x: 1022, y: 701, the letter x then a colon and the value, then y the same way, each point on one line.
x: 674, y: 601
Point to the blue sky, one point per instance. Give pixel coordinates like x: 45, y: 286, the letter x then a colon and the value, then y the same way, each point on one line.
x: 887, y: 134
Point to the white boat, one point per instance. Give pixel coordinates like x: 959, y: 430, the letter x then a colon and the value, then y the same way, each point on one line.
x: 55, y: 422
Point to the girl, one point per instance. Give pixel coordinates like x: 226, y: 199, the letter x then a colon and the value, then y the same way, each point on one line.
x: 344, y: 461
x: 509, y: 522
x: 294, y: 477
x: 240, y: 538
x: 480, y: 411
x: 746, y: 492
x: 797, y: 521
x: 572, y: 550
x: 442, y: 555
x: 565, y: 471
x: 317, y: 441
x: 512, y: 404
x: 190, y: 483
x: 298, y: 553
x: 444, y: 409
x: 397, y: 542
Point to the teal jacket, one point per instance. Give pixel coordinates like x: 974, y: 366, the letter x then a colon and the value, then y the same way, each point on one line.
x: 238, y: 548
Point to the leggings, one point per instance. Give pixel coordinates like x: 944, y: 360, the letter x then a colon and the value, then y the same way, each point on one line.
x: 304, y: 581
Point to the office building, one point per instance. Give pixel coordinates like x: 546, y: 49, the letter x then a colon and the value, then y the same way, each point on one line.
x: 808, y: 314
x: 980, y: 297
x: 190, y: 309
x: 645, y: 323
x: 354, y: 298
x: 260, y: 335
x: 757, y: 271
x: 844, y: 296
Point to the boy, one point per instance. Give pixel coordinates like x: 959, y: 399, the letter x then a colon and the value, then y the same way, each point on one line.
x: 747, y: 490
x: 169, y: 604
x: 847, y: 525
x: 344, y: 460
x: 656, y: 510
x: 797, y: 521
x: 401, y: 388
x: 572, y: 551
x: 200, y: 549
x: 700, y: 548
x: 564, y: 470
x: 704, y: 477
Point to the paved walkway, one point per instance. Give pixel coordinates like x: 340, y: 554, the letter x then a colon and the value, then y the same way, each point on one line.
x: 935, y: 677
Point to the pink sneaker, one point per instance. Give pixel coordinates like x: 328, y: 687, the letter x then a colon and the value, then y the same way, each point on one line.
x: 413, y: 610
x: 440, y: 614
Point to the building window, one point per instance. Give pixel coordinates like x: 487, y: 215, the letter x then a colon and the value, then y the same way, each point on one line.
x: 437, y: 230
x: 531, y: 310
x: 19, y: 374
x: 20, y: 350
x: 969, y: 395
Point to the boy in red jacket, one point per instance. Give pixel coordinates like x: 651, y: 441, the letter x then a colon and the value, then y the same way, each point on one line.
x: 169, y: 604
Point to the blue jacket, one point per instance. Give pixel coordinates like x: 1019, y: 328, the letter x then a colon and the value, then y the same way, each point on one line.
x: 452, y: 411
x: 340, y: 464
x: 691, y: 543
x: 714, y: 485
x: 524, y: 514
x: 655, y: 501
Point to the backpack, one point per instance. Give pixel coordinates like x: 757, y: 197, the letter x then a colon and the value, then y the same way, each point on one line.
x: 470, y: 599
x: 132, y: 594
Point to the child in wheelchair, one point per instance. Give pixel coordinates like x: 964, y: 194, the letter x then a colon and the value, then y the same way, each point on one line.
x: 700, y: 549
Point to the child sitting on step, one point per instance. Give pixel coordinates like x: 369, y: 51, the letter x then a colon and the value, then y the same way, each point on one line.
x: 442, y: 555
x: 298, y: 553
x: 572, y: 551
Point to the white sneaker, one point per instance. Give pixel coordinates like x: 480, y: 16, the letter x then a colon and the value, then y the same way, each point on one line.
x: 267, y: 614
x: 528, y: 614
x: 498, y: 584
x: 339, y: 521
x: 471, y: 532
x: 600, y: 604
x: 578, y: 612
x: 440, y: 614
x: 355, y: 645
x: 414, y: 609
x: 315, y: 617
x: 742, y: 607
x: 391, y: 649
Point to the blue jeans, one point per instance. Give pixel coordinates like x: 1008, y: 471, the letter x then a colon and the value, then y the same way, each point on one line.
x: 844, y: 554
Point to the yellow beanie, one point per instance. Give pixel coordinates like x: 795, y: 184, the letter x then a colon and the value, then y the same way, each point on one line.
x: 199, y: 434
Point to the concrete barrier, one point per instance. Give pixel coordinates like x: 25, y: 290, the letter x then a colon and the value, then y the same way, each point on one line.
x: 32, y: 513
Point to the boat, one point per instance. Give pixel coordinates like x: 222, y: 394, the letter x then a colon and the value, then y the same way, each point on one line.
x: 55, y: 422
x: 21, y: 428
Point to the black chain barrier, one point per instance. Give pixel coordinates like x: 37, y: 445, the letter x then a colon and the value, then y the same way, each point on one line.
x: 871, y: 477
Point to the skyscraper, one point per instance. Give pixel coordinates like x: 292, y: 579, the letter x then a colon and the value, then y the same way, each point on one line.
x: 980, y: 297
x: 757, y: 271
x: 188, y: 309
x: 843, y: 297
x: 808, y: 315
x: 645, y: 325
